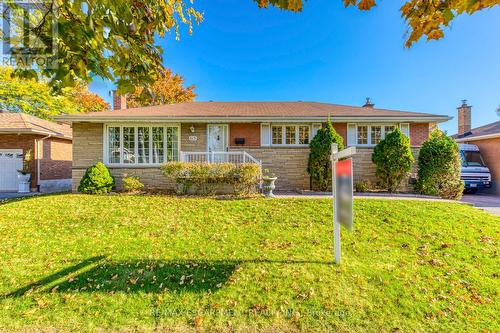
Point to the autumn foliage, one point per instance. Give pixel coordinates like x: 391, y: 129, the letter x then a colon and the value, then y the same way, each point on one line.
x: 88, y: 101
x: 167, y: 89
x: 35, y: 97
x: 425, y: 18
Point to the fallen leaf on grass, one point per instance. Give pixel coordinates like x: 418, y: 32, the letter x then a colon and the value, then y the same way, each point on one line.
x: 197, y: 321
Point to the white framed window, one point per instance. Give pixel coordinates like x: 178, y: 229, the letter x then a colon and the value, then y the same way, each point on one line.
x: 370, y: 135
x: 362, y: 135
x: 277, y: 135
x: 375, y: 134
x: 141, y: 144
x: 290, y: 135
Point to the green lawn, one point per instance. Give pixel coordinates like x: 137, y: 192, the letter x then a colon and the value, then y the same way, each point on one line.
x: 74, y: 262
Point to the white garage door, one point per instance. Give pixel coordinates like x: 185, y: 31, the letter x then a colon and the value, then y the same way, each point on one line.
x: 11, y: 160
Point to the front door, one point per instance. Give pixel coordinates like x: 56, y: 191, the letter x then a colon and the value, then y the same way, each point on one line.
x: 217, y: 143
x: 217, y: 138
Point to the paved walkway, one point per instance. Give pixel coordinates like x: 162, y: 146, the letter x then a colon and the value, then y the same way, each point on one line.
x: 487, y: 202
x: 13, y: 195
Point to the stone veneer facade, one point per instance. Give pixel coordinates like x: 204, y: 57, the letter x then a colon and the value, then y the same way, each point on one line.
x: 288, y: 163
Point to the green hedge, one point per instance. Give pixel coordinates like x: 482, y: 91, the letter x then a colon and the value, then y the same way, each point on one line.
x: 205, y: 178
x: 97, y: 180
x: 393, y: 159
x: 439, y: 167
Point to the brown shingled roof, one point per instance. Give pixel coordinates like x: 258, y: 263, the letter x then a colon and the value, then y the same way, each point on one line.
x: 251, y: 109
x: 489, y: 129
x: 27, y: 124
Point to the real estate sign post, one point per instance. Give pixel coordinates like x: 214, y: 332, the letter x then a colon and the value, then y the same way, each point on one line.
x: 342, y: 194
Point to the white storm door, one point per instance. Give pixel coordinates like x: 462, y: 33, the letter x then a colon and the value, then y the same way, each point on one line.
x: 11, y: 160
x: 217, y: 138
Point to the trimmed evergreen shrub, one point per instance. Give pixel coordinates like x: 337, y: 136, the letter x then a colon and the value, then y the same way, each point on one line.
x: 393, y: 159
x: 132, y: 184
x: 362, y: 186
x: 97, y: 180
x: 439, y: 167
x: 319, y: 165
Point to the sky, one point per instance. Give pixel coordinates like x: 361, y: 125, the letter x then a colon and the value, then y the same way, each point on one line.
x: 331, y: 54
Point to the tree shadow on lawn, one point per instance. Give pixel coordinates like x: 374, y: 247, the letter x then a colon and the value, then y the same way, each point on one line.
x: 98, y: 274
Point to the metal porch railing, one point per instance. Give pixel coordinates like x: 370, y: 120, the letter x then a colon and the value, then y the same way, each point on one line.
x: 236, y: 157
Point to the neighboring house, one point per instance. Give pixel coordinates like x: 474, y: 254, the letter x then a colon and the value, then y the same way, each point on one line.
x: 50, y: 146
x: 486, y: 137
x: 137, y: 141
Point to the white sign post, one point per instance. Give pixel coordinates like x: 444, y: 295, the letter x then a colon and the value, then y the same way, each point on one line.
x: 337, y: 204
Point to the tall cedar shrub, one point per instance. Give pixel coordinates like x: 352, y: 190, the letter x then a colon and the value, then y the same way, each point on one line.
x: 439, y: 167
x: 319, y: 165
x: 97, y: 180
x: 393, y: 159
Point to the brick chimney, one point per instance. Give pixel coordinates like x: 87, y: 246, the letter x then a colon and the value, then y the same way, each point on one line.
x: 119, y: 101
x: 368, y: 103
x: 464, y: 118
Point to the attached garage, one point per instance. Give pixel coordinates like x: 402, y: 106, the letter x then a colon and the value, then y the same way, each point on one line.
x: 51, y: 150
x: 11, y: 160
x: 487, y: 138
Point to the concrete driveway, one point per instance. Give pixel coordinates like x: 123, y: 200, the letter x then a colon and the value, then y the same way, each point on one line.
x: 487, y: 202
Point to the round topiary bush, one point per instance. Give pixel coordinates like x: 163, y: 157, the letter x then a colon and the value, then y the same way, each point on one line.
x: 439, y: 167
x: 319, y: 165
x: 97, y: 180
x: 393, y: 159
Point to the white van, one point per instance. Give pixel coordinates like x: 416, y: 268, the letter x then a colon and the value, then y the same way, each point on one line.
x: 475, y: 173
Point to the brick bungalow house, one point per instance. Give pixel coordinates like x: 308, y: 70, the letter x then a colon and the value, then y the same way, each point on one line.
x: 50, y: 146
x: 486, y: 137
x: 135, y: 141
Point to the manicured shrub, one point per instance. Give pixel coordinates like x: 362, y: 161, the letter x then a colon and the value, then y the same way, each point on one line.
x: 319, y: 165
x: 362, y: 186
x: 247, y: 177
x: 132, y: 184
x: 97, y: 180
x: 439, y: 167
x: 205, y: 178
x: 393, y: 159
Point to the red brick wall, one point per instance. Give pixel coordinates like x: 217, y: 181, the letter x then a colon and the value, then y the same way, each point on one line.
x: 490, y: 150
x: 341, y: 128
x: 418, y: 133
x: 24, y: 142
x: 249, y: 131
x: 56, y: 159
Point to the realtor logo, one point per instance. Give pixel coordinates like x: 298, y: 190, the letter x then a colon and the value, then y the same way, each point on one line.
x: 28, y: 34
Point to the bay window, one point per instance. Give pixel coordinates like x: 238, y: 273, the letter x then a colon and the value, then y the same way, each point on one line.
x: 113, y: 144
x: 141, y: 145
x: 290, y: 135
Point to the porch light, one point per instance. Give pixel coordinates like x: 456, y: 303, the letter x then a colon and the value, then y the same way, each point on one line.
x: 192, y: 128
